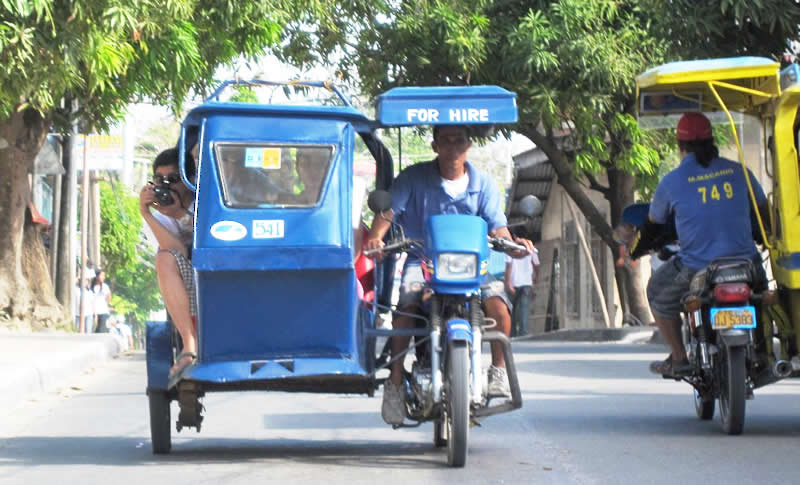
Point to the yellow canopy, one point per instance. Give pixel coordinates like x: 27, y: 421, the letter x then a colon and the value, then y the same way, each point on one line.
x: 743, y: 83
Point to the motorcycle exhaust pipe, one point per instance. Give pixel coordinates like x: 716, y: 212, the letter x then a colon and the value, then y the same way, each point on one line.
x: 782, y: 368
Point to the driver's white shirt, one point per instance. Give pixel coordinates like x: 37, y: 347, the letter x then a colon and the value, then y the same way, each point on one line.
x: 456, y: 188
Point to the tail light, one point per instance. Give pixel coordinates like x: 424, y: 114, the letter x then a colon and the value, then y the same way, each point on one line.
x: 732, y: 292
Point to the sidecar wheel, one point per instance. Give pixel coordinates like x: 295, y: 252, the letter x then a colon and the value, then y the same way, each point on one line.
x: 703, y: 405
x: 160, y: 429
x: 439, y: 440
x: 457, y: 404
x: 732, y: 396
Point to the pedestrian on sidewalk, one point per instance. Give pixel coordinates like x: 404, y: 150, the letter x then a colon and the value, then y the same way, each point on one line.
x: 88, y: 307
x: 520, y: 279
x: 102, y: 301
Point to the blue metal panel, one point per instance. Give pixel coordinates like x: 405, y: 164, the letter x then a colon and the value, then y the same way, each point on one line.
x: 791, y: 261
x: 233, y: 371
x: 457, y: 233
x: 311, y: 114
x: 265, y: 315
x: 446, y: 105
x: 319, y: 236
x: 159, y: 354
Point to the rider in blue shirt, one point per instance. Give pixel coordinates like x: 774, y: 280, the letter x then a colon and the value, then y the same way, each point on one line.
x: 708, y: 197
x: 447, y: 185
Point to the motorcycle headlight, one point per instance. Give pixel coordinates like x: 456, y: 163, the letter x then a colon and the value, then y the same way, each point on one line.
x: 455, y: 266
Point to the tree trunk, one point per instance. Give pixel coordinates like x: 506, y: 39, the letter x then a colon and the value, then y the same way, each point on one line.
x: 26, y: 291
x: 629, y: 282
x: 619, y: 195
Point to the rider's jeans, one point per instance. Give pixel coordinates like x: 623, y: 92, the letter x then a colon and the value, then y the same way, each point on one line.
x: 522, y: 307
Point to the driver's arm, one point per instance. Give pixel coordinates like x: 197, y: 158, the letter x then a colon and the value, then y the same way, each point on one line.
x: 380, y: 226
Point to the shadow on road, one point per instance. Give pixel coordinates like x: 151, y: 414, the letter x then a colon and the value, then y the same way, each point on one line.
x: 118, y: 451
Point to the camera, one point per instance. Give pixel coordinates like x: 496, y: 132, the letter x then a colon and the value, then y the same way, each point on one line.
x: 163, y: 195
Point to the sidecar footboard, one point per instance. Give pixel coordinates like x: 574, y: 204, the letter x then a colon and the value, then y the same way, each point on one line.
x: 513, y: 381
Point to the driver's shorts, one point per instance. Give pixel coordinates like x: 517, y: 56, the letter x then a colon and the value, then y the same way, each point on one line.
x: 412, y: 283
x: 667, y: 286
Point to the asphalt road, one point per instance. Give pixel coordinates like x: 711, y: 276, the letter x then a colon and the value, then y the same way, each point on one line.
x: 592, y: 414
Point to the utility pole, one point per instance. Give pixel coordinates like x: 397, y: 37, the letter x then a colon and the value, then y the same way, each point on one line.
x: 84, y: 230
x: 67, y: 221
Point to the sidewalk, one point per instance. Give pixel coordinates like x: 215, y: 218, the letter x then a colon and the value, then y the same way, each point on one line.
x: 31, y: 363
x: 629, y: 335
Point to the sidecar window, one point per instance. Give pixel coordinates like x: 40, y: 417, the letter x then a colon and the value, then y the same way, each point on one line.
x: 259, y: 175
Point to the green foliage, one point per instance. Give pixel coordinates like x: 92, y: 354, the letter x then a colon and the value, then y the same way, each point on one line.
x: 128, y: 260
x: 108, y: 53
x: 243, y: 94
x: 571, y: 63
x: 724, y: 28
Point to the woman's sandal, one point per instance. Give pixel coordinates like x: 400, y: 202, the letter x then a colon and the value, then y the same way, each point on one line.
x: 183, y: 361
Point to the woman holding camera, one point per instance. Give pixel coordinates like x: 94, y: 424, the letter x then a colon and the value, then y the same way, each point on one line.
x: 172, y: 225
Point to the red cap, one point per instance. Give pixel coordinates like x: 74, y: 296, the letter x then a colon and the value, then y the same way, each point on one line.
x: 694, y: 126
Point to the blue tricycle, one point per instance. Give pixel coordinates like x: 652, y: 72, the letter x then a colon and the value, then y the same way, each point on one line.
x: 276, y: 228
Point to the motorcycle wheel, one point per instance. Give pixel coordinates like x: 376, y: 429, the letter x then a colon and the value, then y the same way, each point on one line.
x: 160, y: 430
x: 457, y: 416
x: 703, y: 405
x: 732, y: 396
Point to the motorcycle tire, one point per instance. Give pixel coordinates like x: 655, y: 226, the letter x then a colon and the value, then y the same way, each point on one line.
x: 704, y: 405
x: 732, y: 396
x: 457, y: 416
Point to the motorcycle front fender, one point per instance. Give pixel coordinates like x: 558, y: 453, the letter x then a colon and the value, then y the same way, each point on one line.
x: 459, y: 329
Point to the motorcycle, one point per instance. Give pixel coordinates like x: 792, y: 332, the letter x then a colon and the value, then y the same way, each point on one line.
x: 445, y: 384
x: 722, y: 328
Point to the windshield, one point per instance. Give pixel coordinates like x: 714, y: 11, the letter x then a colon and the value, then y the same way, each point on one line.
x: 258, y: 175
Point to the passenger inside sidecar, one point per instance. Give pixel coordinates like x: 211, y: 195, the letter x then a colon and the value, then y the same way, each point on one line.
x: 267, y: 175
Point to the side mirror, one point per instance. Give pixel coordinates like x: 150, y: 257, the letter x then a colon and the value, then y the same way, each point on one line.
x: 530, y: 206
x: 379, y: 201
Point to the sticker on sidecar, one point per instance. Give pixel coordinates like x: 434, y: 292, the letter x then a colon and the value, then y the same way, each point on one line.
x: 261, y: 157
x: 228, y: 231
x: 263, y: 229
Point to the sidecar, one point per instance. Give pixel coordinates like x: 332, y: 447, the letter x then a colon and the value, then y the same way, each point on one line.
x: 280, y: 280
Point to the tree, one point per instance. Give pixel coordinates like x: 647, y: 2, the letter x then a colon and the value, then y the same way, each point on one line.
x: 103, y: 54
x: 572, y: 64
x: 127, y: 258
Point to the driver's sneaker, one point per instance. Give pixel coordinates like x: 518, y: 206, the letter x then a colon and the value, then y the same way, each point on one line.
x: 498, y: 382
x: 393, y: 409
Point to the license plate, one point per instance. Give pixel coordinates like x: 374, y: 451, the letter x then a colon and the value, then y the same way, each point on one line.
x: 733, y: 317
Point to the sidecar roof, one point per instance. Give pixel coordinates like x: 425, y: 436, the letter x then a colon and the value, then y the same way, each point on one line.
x: 743, y: 84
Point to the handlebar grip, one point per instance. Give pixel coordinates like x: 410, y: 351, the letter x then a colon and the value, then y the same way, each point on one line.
x: 504, y: 244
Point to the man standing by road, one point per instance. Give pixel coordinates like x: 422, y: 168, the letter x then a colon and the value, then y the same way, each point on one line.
x: 447, y: 185
x: 520, y: 279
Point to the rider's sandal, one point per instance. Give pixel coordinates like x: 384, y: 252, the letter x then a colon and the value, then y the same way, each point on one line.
x: 662, y: 367
x: 184, y: 360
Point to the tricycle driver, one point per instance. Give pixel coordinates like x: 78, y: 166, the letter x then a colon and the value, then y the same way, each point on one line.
x: 172, y: 225
x: 446, y: 185
x: 708, y: 197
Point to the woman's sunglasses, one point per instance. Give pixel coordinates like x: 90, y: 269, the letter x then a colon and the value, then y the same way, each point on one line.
x: 172, y: 178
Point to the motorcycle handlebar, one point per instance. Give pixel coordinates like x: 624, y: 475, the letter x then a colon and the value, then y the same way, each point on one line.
x: 502, y: 244
x: 394, y: 246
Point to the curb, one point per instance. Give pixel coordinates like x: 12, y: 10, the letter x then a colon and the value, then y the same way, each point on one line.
x: 621, y: 335
x: 35, y: 363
